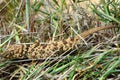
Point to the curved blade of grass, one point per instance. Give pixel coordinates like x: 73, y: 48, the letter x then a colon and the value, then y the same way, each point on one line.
x: 99, y: 58
x: 38, y: 5
x: 70, y: 77
x: 66, y: 73
x: 116, y: 63
x: 56, y: 2
x: 20, y: 27
x: 88, y: 53
x: 55, y: 25
x: 28, y: 14
x: 61, y: 68
x: 4, y: 63
x: 16, y: 36
x: 36, y: 71
x: 103, y: 15
x: 12, y: 35
x: 105, y: 6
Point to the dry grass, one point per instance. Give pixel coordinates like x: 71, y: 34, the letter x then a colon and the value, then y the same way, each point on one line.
x: 52, y: 21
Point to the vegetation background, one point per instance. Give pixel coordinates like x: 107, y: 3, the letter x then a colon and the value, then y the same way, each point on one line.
x: 24, y: 21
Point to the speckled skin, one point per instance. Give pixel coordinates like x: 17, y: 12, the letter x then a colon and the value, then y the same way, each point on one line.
x: 37, y: 50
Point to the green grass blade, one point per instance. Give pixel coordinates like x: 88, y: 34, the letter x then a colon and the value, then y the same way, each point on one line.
x: 116, y: 63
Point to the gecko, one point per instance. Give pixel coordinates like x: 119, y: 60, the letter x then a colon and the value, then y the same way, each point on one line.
x: 38, y: 51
